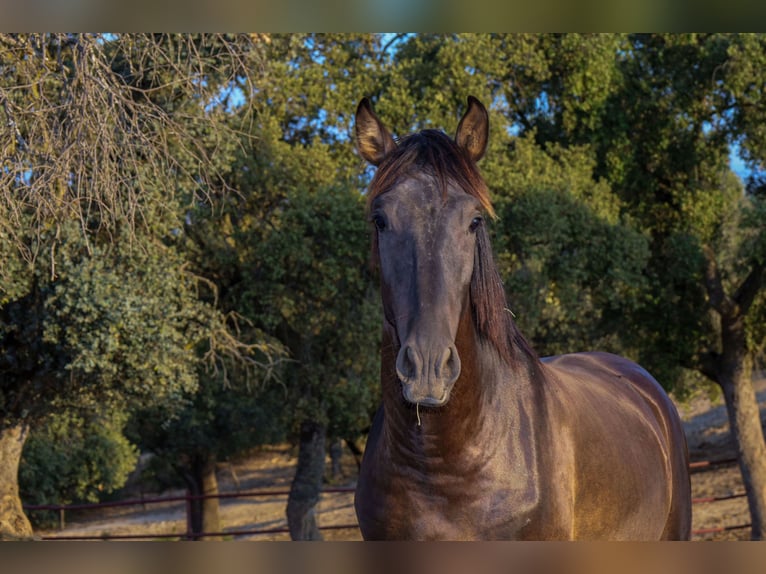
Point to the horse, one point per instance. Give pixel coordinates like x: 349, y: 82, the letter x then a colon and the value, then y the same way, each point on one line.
x: 477, y: 438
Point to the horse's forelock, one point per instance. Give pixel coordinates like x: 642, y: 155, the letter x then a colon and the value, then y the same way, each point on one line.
x: 437, y: 154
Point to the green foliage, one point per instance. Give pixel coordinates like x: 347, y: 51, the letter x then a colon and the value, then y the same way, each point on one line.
x: 573, y: 269
x: 287, y: 256
x: 117, y: 326
x: 292, y: 254
x: 678, y: 110
x: 107, y: 142
x: 75, y: 457
x: 126, y: 320
x: 311, y: 288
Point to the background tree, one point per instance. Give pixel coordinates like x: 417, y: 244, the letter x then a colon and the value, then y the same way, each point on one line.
x: 297, y: 242
x: 96, y: 461
x: 212, y: 425
x: 101, y: 149
x: 322, y: 307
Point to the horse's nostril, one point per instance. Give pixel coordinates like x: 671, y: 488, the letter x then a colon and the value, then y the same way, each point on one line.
x: 408, y: 364
x: 450, y: 364
x: 413, y: 359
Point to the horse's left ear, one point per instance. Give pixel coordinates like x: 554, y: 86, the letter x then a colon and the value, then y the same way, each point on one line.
x: 473, y: 130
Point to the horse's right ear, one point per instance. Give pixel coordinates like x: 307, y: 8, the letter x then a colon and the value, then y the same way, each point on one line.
x: 373, y: 140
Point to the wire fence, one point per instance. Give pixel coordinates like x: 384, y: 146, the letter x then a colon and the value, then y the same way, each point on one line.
x: 190, y: 534
x: 188, y: 499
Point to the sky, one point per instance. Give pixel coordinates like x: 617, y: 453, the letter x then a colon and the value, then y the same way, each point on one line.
x: 738, y: 165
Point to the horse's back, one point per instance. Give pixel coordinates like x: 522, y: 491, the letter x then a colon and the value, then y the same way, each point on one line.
x: 612, y: 372
x: 610, y: 410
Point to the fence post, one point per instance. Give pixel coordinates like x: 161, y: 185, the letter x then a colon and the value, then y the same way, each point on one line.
x: 189, y: 525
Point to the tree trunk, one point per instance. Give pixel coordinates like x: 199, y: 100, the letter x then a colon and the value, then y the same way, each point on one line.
x: 307, y: 483
x: 733, y: 369
x: 336, y: 457
x: 745, y: 421
x: 14, y: 524
x: 201, y: 480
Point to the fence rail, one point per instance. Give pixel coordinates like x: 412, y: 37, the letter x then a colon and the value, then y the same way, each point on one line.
x: 697, y: 466
x: 703, y: 465
x: 178, y: 498
x: 261, y: 531
x: 187, y: 499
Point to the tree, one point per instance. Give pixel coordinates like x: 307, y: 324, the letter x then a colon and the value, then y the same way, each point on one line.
x: 113, y: 327
x: 101, y: 148
x: 96, y: 459
x: 215, y: 423
x: 299, y: 240
x: 311, y: 287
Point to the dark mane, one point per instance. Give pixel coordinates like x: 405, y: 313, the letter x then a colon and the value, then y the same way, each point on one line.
x: 434, y: 152
x: 491, y: 314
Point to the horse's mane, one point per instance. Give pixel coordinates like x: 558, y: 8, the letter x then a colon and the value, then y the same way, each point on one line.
x: 434, y: 152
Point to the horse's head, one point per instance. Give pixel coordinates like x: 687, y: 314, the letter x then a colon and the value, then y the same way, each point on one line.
x: 427, y: 202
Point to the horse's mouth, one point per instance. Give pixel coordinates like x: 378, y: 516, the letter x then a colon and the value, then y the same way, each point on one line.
x: 432, y: 402
x: 428, y: 401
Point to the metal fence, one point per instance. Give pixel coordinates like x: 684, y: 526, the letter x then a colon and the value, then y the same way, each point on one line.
x: 62, y: 509
x: 187, y: 498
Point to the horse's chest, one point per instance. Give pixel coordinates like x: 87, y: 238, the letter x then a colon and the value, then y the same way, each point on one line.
x: 446, y: 507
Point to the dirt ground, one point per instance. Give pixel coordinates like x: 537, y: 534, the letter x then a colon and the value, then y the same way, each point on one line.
x: 271, y: 468
x: 707, y: 432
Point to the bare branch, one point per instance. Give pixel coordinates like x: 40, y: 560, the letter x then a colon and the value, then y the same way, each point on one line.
x: 105, y: 130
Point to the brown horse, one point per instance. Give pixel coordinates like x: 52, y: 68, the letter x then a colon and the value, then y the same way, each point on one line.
x: 477, y: 438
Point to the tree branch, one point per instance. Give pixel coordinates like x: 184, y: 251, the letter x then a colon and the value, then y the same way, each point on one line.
x: 750, y: 287
x: 707, y: 365
x: 396, y: 38
x: 713, y: 283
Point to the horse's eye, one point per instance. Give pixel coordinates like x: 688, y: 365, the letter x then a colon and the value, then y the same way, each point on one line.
x: 379, y: 221
x: 475, y: 222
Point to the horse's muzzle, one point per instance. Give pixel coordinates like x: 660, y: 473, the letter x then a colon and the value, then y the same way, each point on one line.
x: 427, y: 377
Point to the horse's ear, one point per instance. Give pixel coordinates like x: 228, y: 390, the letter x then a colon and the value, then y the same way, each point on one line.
x: 473, y: 130
x: 373, y: 140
